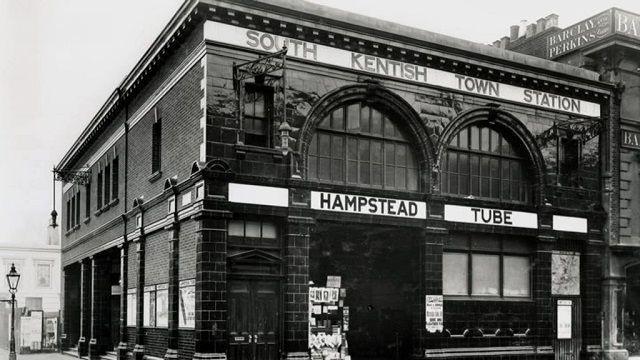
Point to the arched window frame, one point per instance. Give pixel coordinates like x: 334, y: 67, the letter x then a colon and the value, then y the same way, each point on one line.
x: 345, y: 139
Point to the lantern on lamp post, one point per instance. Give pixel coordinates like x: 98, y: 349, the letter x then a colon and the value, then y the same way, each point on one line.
x: 284, y: 129
x: 13, y: 278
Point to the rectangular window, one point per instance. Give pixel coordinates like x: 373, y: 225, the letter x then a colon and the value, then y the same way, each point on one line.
x: 78, y: 208
x: 68, y: 215
x: 131, y: 307
x: 114, y: 175
x: 107, y: 184
x: 471, y: 269
x: 156, y: 142
x: 73, y: 211
x: 43, y: 275
x: 187, y: 304
x: 569, y: 162
x: 256, y: 120
x: 99, y: 191
x: 87, y: 201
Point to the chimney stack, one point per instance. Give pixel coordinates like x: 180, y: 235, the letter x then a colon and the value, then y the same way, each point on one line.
x: 523, y: 28
x: 531, y: 30
x: 504, y: 42
x: 496, y: 43
x: 552, y: 21
x: 541, y: 25
x: 513, y: 32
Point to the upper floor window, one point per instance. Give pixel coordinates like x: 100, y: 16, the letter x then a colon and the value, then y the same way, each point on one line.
x: 256, y: 120
x: 43, y: 274
x: 156, y: 142
x: 358, y: 144
x: 483, y: 162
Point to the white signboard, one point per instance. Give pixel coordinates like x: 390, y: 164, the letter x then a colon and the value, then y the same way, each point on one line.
x: 258, y: 195
x: 564, y: 319
x: 31, y: 330
x: 569, y: 223
x: 477, y: 215
x: 187, y: 304
x: 433, y: 313
x: 358, y: 204
x: 334, y: 281
x: 309, y: 51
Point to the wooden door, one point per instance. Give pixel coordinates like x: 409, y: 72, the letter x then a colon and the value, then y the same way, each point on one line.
x: 253, y: 320
x: 568, y: 325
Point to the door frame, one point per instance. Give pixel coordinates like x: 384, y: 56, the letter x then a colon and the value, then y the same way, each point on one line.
x: 575, y: 343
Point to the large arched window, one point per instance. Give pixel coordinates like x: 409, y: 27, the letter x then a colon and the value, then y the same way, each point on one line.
x: 482, y: 162
x: 358, y: 144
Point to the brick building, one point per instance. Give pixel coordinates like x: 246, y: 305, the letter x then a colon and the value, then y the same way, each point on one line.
x: 382, y: 192
x: 607, y: 43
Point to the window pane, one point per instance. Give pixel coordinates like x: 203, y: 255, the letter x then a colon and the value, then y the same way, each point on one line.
x: 324, y: 171
x: 44, y: 275
x: 376, y: 151
x: 325, y: 123
x: 464, y: 139
x: 364, y: 173
x: 337, y: 151
x: 353, y: 117
x: 455, y: 269
x: 236, y: 228
x: 337, y: 167
x: 485, y: 272
x: 400, y: 178
x: 268, y: 230
x: 495, y: 142
x: 352, y: 148
x: 365, y: 125
x: 389, y: 130
x: 337, y: 119
x: 401, y: 155
x: 363, y: 149
x: 259, y: 105
x: 324, y: 145
x: 252, y: 229
x: 389, y: 154
x: 313, y: 167
x: 352, y: 171
x: 389, y: 176
x: 376, y: 122
x: 313, y: 147
x: 412, y: 179
x: 484, y: 139
x: 376, y: 175
x: 516, y: 276
x: 475, y: 138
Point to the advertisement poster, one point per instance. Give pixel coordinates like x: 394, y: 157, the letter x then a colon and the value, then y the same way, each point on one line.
x: 564, y: 319
x: 433, y: 313
x: 31, y: 330
x: 187, y: 304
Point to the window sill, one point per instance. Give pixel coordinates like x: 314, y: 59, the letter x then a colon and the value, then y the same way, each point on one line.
x: 106, y: 207
x: 87, y: 220
x: 72, y: 230
x: 487, y: 298
x: 155, y: 176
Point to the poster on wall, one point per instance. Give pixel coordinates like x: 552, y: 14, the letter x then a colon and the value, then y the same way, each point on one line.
x: 564, y: 319
x: 162, y: 306
x: 433, y: 313
x: 565, y: 273
x: 187, y: 304
x: 31, y: 330
x: 131, y: 307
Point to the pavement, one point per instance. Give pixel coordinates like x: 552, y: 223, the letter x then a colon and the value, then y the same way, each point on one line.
x: 4, y: 354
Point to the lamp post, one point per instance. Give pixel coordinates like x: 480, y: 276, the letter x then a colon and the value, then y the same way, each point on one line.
x: 12, y: 279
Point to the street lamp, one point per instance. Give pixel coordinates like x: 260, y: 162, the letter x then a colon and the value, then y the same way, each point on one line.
x: 13, y: 278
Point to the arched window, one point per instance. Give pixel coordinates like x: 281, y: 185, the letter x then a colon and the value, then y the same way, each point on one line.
x: 358, y: 144
x: 481, y: 161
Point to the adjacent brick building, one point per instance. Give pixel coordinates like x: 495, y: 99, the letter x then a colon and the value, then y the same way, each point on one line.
x: 607, y: 43
x: 382, y: 192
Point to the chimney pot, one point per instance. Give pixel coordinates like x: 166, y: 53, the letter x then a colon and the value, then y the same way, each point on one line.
x: 504, y: 42
x: 523, y: 28
x: 552, y: 21
x: 513, y: 32
x: 541, y: 25
x: 531, y: 30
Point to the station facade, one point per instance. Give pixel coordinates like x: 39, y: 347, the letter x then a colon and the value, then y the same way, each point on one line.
x: 380, y: 192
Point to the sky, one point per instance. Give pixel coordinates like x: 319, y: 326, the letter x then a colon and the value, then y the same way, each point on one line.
x: 61, y: 59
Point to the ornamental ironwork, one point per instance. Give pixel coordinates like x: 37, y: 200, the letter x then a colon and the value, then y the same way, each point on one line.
x: 80, y: 177
x: 260, y: 67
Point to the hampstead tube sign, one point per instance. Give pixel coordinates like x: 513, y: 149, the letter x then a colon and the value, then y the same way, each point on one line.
x: 309, y: 51
x: 359, y: 204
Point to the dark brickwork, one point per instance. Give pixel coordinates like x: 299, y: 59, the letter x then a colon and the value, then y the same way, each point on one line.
x: 156, y: 259
x: 297, y: 285
x: 155, y: 342
x: 544, y: 305
x: 186, y: 341
x: 211, y: 279
x: 124, y: 286
x: 71, y: 324
x: 85, y: 307
x: 100, y: 291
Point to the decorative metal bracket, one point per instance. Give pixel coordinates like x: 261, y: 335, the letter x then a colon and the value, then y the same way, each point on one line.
x: 80, y: 177
x: 259, y: 67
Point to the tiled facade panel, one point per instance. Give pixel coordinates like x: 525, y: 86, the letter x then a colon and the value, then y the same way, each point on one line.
x: 132, y: 264
x: 187, y: 344
x: 156, y: 258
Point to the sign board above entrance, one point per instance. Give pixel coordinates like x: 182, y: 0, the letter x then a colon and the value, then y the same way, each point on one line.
x: 579, y: 35
x: 366, y: 205
x: 309, y: 51
x: 630, y: 139
x: 477, y: 215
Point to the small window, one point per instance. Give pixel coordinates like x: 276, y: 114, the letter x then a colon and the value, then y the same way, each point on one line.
x: 200, y: 191
x: 68, y: 217
x: 87, y: 201
x: 99, y: 191
x: 570, y: 161
x: 156, y: 142
x: 131, y: 307
x: 115, y: 175
x: 77, y: 215
x: 107, y: 184
x: 138, y: 221
x: 256, y: 120
x: 253, y: 233
x: 43, y: 275
x: 171, y: 205
x: 156, y: 306
x: 149, y: 315
x: 162, y: 306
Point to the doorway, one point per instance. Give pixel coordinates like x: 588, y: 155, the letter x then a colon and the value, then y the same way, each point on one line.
x: 568, y: 325
x: 379, y: 271
x: 253, y: 319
